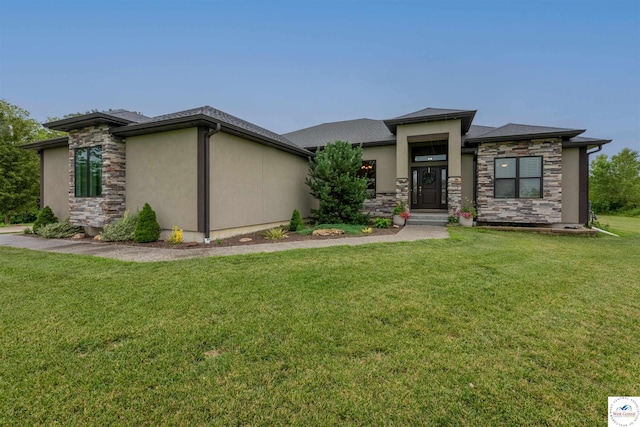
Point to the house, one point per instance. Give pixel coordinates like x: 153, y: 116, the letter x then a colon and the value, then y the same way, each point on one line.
x: 216, y: 175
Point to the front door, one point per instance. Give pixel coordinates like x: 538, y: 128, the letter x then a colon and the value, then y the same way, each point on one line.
x: 429, y: 187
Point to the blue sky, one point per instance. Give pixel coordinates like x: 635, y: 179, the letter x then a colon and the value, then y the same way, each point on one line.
x: 288, y: 65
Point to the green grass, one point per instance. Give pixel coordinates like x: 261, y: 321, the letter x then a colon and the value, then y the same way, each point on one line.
x: 482, y: 329
x: 624, y: 226
x: 347, y: 228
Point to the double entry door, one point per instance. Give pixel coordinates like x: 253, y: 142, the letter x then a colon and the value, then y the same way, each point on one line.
x: 429, y: 187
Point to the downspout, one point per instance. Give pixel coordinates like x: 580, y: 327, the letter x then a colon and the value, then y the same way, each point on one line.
x: 207, y: 182
x: 590, y: 214
x: 594, y: 151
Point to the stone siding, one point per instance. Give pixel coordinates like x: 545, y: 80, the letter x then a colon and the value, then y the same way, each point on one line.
x: 454, y: 194
x: 98, y: 211
x: 402, y: 190
x: 545, y: 210
x: 381, y: 206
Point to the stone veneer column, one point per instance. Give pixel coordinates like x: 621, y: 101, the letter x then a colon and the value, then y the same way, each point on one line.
x: 402, y: 190
x: 454, y: 194
x: 545, y: 210
x: 98, y: 211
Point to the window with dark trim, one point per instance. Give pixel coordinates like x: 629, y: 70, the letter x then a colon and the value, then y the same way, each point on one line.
x: 88, y: 172
x: 368, y: 170
x: 518, y: 177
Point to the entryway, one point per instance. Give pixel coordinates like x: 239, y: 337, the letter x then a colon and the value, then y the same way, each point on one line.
x: 429, y: 187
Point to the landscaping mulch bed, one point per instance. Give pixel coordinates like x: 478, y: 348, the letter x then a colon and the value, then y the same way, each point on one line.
x: 257, y: 238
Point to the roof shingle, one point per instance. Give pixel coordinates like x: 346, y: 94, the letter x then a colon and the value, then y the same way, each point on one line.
x: 359, y: 131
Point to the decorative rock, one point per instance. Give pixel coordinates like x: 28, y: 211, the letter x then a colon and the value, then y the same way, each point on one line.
x: 245, y: 239
x: 97, y: 237
x: 78, y: 236
x: 327, y: 232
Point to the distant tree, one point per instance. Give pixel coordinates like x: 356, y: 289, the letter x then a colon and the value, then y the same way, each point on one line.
x: 19, y: 168
x: 615, y: 183
x: 334, y: 181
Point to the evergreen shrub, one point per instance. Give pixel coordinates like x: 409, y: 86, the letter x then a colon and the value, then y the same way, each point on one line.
x: 147, y: 229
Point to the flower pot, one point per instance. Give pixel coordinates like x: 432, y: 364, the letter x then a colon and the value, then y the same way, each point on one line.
x: 398, y: 220
x: 466, y: 222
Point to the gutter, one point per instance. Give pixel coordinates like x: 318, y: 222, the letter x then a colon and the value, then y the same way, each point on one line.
x: 207, y: 182
x: 594, y: 151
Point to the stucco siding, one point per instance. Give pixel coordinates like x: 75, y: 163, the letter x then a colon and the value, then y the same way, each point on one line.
x: 467, y: 178
x: 385, y: 158
x: 162, y: 171
x: 452, y: 127
x: 55, y: 181
x: 571, y: 185
x: 252, y: 184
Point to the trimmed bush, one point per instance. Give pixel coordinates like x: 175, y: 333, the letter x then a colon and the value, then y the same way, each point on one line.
x: 147, y: 229
x: 59, y: 230
x: 296, y: 221
x: 121, y: 230
x: 45, y: 217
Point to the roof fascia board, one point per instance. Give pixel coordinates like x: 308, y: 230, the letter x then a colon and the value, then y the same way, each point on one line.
x: 569, y: 133
x: 202, y: 120
x: 590, y: 144
x: 92, y: 119
x: 61, y: 141
x: 392, y: 124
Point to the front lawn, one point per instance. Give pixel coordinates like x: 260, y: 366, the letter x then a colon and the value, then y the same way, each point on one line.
x: 484, y: 328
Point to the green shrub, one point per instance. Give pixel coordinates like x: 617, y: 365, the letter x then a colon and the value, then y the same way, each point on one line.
x: 382, y: 223
x: 147, y: 229
x: 296, y: 221
x: 45, y: 217
x: 275, y: 233
x: 121, y: 230
x: 24, y: 217
x: 59, y: 230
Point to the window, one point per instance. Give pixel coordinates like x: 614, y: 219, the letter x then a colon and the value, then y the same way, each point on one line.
x: 429, y: 153
x: 88, y: 172
x: 518, y: 177
x: 368, y: 170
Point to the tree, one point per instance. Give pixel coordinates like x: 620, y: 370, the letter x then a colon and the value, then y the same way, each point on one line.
x: 19, y: 168
x: 615, y: 184
x: 333, y: 180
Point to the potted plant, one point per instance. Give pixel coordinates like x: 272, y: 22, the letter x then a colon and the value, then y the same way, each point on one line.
x: 466, y: 214
x: 400, y: 214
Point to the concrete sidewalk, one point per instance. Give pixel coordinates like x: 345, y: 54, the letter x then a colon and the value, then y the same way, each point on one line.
x: 142, y: 254
x: 13, y: 229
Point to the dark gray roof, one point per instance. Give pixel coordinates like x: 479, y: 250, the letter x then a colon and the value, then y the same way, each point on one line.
x: 433, y: 114
x: 359, y: 131
x: 221, y: 116
x: 580, y: 141
x: 132, y: 116
x: 60, y: 141
x: 477, y: 130
x: 209, y: 116
x: 512, y: 131
x: 113, y: 117
x: 430, y: 112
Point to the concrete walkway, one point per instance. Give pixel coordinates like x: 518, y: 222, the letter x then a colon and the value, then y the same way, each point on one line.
x: 409, y: 233
x: 13, y: 229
